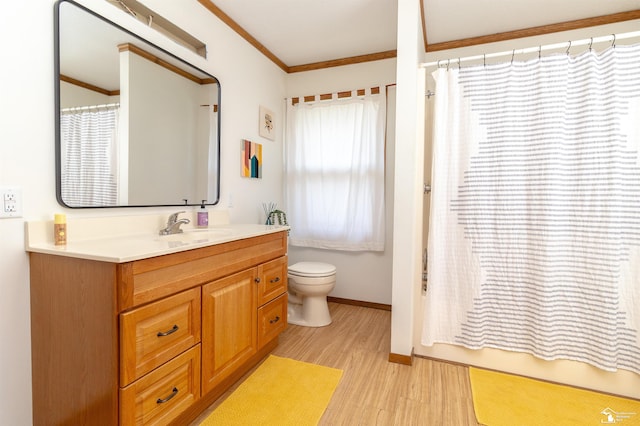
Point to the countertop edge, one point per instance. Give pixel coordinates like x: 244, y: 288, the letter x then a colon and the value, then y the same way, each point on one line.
x: 124, y: 249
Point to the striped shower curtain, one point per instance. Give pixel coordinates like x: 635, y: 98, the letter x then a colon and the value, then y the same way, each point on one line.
x: 534, y: 235
x: 89, y: 156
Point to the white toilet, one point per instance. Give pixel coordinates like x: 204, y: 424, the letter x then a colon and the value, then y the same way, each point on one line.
x: 309, y: 284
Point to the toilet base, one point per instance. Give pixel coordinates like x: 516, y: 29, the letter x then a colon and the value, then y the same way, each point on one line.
x: 314, y: 312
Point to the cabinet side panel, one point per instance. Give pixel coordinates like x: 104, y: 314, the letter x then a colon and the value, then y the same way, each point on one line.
x: 74, y: 341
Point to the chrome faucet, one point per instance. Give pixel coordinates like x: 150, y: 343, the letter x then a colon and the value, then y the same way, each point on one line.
x: 173, y: 224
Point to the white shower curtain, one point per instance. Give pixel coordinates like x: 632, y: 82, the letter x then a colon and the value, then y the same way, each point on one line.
x: 534, y: 235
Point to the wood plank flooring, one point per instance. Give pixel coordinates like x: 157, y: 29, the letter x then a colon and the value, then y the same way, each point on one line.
x: 372, y: 390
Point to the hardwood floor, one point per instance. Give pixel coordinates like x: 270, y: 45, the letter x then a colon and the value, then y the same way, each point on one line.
x: 372, y: 390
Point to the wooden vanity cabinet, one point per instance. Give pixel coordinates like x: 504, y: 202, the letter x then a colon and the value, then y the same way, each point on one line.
x: 153, y: 341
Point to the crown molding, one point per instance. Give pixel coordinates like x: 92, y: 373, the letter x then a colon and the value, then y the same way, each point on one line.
x: 534, y: 31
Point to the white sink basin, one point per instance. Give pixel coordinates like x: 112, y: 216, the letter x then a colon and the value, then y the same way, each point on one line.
x: 196, y: 235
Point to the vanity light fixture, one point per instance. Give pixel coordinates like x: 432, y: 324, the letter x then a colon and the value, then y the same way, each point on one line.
x: 162, y: 25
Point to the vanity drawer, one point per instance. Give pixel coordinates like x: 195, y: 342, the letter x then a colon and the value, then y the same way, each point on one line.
x: 273, y: 280
x: 272, y: 320
x: 153, y: 334
x: 163, y: 394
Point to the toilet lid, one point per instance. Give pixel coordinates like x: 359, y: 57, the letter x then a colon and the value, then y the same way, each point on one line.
x: 312, y: 269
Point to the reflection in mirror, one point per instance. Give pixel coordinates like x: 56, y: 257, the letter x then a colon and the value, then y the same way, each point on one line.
x: 137, y: 126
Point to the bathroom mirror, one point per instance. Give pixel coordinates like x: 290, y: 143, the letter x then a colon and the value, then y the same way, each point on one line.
x: 135, y: 125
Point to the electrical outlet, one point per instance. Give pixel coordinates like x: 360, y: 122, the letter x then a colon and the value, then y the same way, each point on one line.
x: 11, y: 202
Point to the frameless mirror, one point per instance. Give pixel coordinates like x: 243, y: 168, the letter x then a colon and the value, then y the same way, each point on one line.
x: 135, y: 124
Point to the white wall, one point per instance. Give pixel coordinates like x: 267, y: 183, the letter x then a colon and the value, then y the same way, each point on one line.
x: 363, y: 276
x: 73, y: 96
x: 161, y: 152
x: 407, y: 230
x: 247, y: 79
x: 575, y: 373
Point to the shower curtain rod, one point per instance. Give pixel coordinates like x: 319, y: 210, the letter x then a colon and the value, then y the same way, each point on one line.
x: 567, y: 44
x: 86, y: 108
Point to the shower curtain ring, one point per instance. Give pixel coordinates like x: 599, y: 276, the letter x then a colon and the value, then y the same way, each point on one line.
x: 590, y: 44
x: 569, y: 48
x: 513, y: 53
x: 448, y: 62
x: 459, y: 64
x: 613, y: 42
x: 484, y: 59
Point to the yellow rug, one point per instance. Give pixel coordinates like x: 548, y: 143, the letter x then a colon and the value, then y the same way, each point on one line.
x: 280, y: 392
x: 506, y: 400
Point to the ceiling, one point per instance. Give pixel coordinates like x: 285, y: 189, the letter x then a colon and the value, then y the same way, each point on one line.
x: 300, y: 35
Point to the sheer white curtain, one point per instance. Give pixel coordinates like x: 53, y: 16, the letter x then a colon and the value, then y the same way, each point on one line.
x: 89, y: 157
x: 334, y: 172
x: 534, y: 236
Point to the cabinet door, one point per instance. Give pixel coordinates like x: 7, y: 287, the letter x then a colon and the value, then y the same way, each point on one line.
x: 229, y: 326
x: 273, y: 280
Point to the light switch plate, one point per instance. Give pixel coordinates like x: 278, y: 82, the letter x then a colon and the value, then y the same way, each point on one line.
x: 10, y: 202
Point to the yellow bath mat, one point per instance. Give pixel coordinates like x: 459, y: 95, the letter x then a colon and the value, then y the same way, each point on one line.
x: 506, y: 400
x: 280, y: 392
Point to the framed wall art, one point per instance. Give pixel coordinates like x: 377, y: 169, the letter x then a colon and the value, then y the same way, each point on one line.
x: 251, y: 157
x: 267, y: 123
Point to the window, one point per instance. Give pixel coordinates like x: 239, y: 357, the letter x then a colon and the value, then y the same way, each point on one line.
x: 334, y: 166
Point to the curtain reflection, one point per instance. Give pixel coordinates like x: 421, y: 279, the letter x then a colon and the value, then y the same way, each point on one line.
x: 89, y: 157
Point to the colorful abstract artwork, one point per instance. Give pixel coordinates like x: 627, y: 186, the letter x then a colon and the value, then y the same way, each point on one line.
x: 251, y: 159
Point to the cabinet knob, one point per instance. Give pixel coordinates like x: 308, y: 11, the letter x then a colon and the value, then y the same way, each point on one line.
x: 257, y: 280
x: 276, y: 319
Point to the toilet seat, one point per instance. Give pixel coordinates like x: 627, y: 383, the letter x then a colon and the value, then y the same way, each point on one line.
x: 312, y: 269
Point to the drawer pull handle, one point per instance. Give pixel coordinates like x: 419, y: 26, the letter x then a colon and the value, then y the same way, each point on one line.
x: 166, y: 333
x: 275, y: 280
x: 257, y: 280
x: 276, y: 319
x: 174, y: 392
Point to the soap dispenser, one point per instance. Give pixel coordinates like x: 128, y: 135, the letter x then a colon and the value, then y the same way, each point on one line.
x: 203, y: 216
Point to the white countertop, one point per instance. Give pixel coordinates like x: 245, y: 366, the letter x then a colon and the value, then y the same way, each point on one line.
x: 128, y: 245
